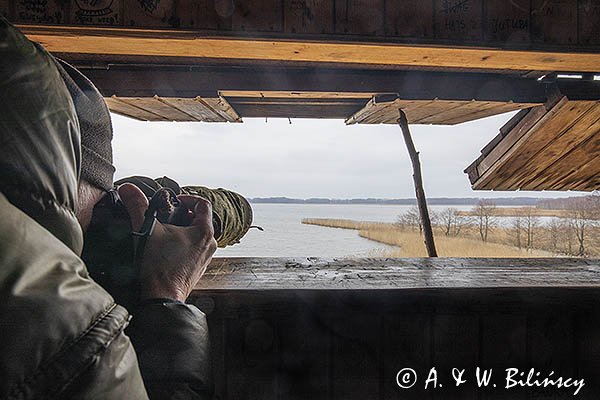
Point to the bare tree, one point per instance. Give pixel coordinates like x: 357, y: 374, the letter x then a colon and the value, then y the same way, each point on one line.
x: 450, y: 221
x: 556, y: 233
x: 485, y: 212
x: 517, y: 228
x: 411, y: 219
x: 531, y: 223
x: 581, y: 218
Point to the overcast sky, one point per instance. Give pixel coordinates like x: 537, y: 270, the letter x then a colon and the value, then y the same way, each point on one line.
x: 307, y: 158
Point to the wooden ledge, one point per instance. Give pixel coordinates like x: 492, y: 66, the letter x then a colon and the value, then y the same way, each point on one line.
x: 382, y: 274
x: 165, y: 43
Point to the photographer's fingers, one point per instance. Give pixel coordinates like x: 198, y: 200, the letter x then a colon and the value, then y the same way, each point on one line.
x: 135, y: 202
x: 201, y: 208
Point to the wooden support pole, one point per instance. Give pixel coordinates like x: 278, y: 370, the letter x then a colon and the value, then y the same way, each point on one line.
x: 421, y: 199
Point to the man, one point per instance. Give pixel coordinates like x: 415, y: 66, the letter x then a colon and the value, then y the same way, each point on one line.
x: 62, y: 335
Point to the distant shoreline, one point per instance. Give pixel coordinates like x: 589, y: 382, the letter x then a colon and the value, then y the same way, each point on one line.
x: 434, y: 201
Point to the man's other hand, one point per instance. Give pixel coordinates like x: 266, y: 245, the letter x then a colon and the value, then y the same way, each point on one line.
x: 175, y: 257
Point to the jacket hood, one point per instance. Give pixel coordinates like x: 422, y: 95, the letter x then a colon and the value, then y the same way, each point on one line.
x: 40, y: 154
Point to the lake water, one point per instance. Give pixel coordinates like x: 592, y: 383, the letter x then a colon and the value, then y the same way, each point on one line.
x: 285, y: 236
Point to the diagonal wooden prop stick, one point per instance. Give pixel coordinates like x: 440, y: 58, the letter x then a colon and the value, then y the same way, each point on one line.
x: 421, y: 200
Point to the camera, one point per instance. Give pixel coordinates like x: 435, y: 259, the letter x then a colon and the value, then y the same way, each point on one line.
x: 113, y: 254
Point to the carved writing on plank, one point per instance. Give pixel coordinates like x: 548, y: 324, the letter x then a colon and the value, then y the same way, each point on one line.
x: 97, y: 12
x: 41, y: 11
x: 508, y: 21
x: 458, y: 19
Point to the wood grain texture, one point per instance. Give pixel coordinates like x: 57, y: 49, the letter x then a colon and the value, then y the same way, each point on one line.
x: 523, y: 161
x: 350, y: 344
x: 309, y: 16
x: 361, y: 274
x: 589, y: 15
x: 552, y: 147
x: 430, y: 112
x: 80, y: 40
x: 174, y: 109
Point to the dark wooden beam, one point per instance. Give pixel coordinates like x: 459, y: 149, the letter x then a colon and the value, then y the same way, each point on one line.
x: 191, y: 81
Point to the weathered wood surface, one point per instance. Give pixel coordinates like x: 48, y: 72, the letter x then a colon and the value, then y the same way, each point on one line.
x: 69, y: 41
x: 566, y: 25
x: 174, y: 109
x: 378, y: 274
x: 384, y: 110
x: 552, y: 147
x: 350, y: 344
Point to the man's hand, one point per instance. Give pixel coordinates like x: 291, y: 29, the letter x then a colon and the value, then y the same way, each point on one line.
x: 175, y: 257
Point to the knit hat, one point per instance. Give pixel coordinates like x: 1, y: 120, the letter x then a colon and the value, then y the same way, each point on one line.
x: 95, y: 126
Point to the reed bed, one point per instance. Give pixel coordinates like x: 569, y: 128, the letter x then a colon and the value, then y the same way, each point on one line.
x: 410, y: 243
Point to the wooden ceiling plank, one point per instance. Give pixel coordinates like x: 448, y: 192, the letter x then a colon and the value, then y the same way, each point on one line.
x: 430, y: 114
x: 155, y: 106
x: 182, y: 106
x: 492, y: 108
x: 220, y: 107
x: 122, y: 107
x: 385, y: 112
x: 361, y: 114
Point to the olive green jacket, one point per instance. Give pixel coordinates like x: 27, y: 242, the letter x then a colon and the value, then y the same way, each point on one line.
x: 61, y: 334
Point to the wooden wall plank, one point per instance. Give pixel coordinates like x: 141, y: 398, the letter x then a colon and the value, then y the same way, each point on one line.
x: 41, y: 12
x: 4, y: 9
x: 455, y: 337
x: 588, y: 17
x: 252, y: 357
x: 587, y: 342
x: 359, y: 17
x: 163, y: 14
x: 551, y: 347
x: 503, y: 345
x: 407, y: 344
x: 409, y: 18
x: 508, y: 21
x: 304, y: 354
x: 309, y: 16
x: 459, y: 19
x: 356, y: 352
x: 215, y: 14
x: 90, y: 12
x: 554, y: 21
x: 258, y: 16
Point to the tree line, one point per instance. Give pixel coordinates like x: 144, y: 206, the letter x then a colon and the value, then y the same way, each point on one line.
x: 577, y: 233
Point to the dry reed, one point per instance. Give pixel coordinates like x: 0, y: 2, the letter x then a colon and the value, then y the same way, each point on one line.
x: 410, y: 243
